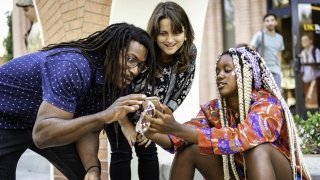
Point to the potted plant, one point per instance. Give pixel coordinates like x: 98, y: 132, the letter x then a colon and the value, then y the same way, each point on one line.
x: 309, y: 133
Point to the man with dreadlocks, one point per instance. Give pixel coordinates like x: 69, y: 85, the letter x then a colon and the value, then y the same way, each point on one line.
x: 246, y: 133
x: 57, y: 100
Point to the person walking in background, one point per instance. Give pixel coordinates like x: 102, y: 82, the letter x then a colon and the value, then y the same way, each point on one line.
x: 32, y: 37
x: 270, y: 45
x: 248, y: 132
x: 310, y: 62
x: 173, y: 36
x: 57, y: 100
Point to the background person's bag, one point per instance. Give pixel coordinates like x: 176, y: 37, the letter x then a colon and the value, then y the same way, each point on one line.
x: 261, y: 46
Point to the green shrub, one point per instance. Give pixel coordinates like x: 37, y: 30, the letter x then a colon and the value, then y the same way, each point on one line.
x: 7, y: 42
x: 309, y: 132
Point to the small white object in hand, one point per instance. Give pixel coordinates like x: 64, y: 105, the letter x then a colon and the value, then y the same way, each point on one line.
x: 143, y: 125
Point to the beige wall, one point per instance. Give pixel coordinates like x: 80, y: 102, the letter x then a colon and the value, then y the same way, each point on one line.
x: 20, y: 25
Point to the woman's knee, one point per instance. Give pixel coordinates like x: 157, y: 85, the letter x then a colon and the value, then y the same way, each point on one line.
x: 258, y: 153
x: 189, y: 158
x: 189, y: 151
x: 191, y: 154
x: 266, y: 161
x: 186, y: 155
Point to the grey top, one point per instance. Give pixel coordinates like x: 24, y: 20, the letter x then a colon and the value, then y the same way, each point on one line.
x: 273, y: 45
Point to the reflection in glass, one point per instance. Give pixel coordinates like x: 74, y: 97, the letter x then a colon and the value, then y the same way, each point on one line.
x: 228, y: 28
x: 309, y: 26
x: 280, y: 3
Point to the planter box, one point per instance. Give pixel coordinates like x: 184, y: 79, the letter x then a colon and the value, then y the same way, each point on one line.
x: 313, y: 164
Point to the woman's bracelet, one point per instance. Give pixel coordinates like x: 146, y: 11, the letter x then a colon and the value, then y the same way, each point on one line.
x: 97, y: 166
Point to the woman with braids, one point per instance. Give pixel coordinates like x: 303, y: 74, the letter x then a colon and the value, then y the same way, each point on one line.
x: 172, y: 35
x: 57, y: 100
x: 246, y: 133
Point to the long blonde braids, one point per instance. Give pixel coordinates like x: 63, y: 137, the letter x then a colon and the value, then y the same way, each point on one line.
x: 223, y: 118
x: 254, y: 72
x: 294, y: 146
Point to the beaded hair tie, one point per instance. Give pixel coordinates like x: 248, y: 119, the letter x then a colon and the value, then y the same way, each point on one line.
x: 254, y: 64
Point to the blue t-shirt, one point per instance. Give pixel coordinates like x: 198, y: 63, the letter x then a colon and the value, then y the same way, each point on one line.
x: 62, y: 77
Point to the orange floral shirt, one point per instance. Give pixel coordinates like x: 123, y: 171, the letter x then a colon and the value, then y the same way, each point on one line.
x: 263, y: 124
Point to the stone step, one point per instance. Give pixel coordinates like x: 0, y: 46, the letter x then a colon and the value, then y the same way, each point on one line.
x: 33, y: 166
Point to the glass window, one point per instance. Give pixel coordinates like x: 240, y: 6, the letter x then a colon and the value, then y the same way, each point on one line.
x: 309, y: 55
x: 280, y: 3
x: 228, y: 24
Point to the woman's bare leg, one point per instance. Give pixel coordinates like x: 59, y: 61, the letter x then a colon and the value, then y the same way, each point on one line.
x: 266, y: 162
x: 189, y: 159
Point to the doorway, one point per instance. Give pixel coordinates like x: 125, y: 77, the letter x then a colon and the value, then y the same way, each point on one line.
x: 299, y: 24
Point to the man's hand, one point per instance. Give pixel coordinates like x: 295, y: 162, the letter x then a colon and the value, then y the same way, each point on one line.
x: 121, y: 107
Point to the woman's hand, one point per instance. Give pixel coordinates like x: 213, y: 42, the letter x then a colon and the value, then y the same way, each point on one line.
x: 128, y: 131
x: 162, y: 122
x: 142, y: 140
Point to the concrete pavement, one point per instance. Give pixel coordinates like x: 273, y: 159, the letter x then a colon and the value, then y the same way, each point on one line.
x: 32, y: 166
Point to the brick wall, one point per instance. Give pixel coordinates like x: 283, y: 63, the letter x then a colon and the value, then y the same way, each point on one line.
x: 248, y: 16
x: 64, y: 20
x: 212, y: 44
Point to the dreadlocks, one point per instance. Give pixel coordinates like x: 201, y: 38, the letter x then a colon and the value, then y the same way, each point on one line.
x: 112, y: 41
x: 252, y: 73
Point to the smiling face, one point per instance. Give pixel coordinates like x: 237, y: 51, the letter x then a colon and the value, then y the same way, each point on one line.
x: 226, y: 77
x: 136, y: 53
x: 169, y: 42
